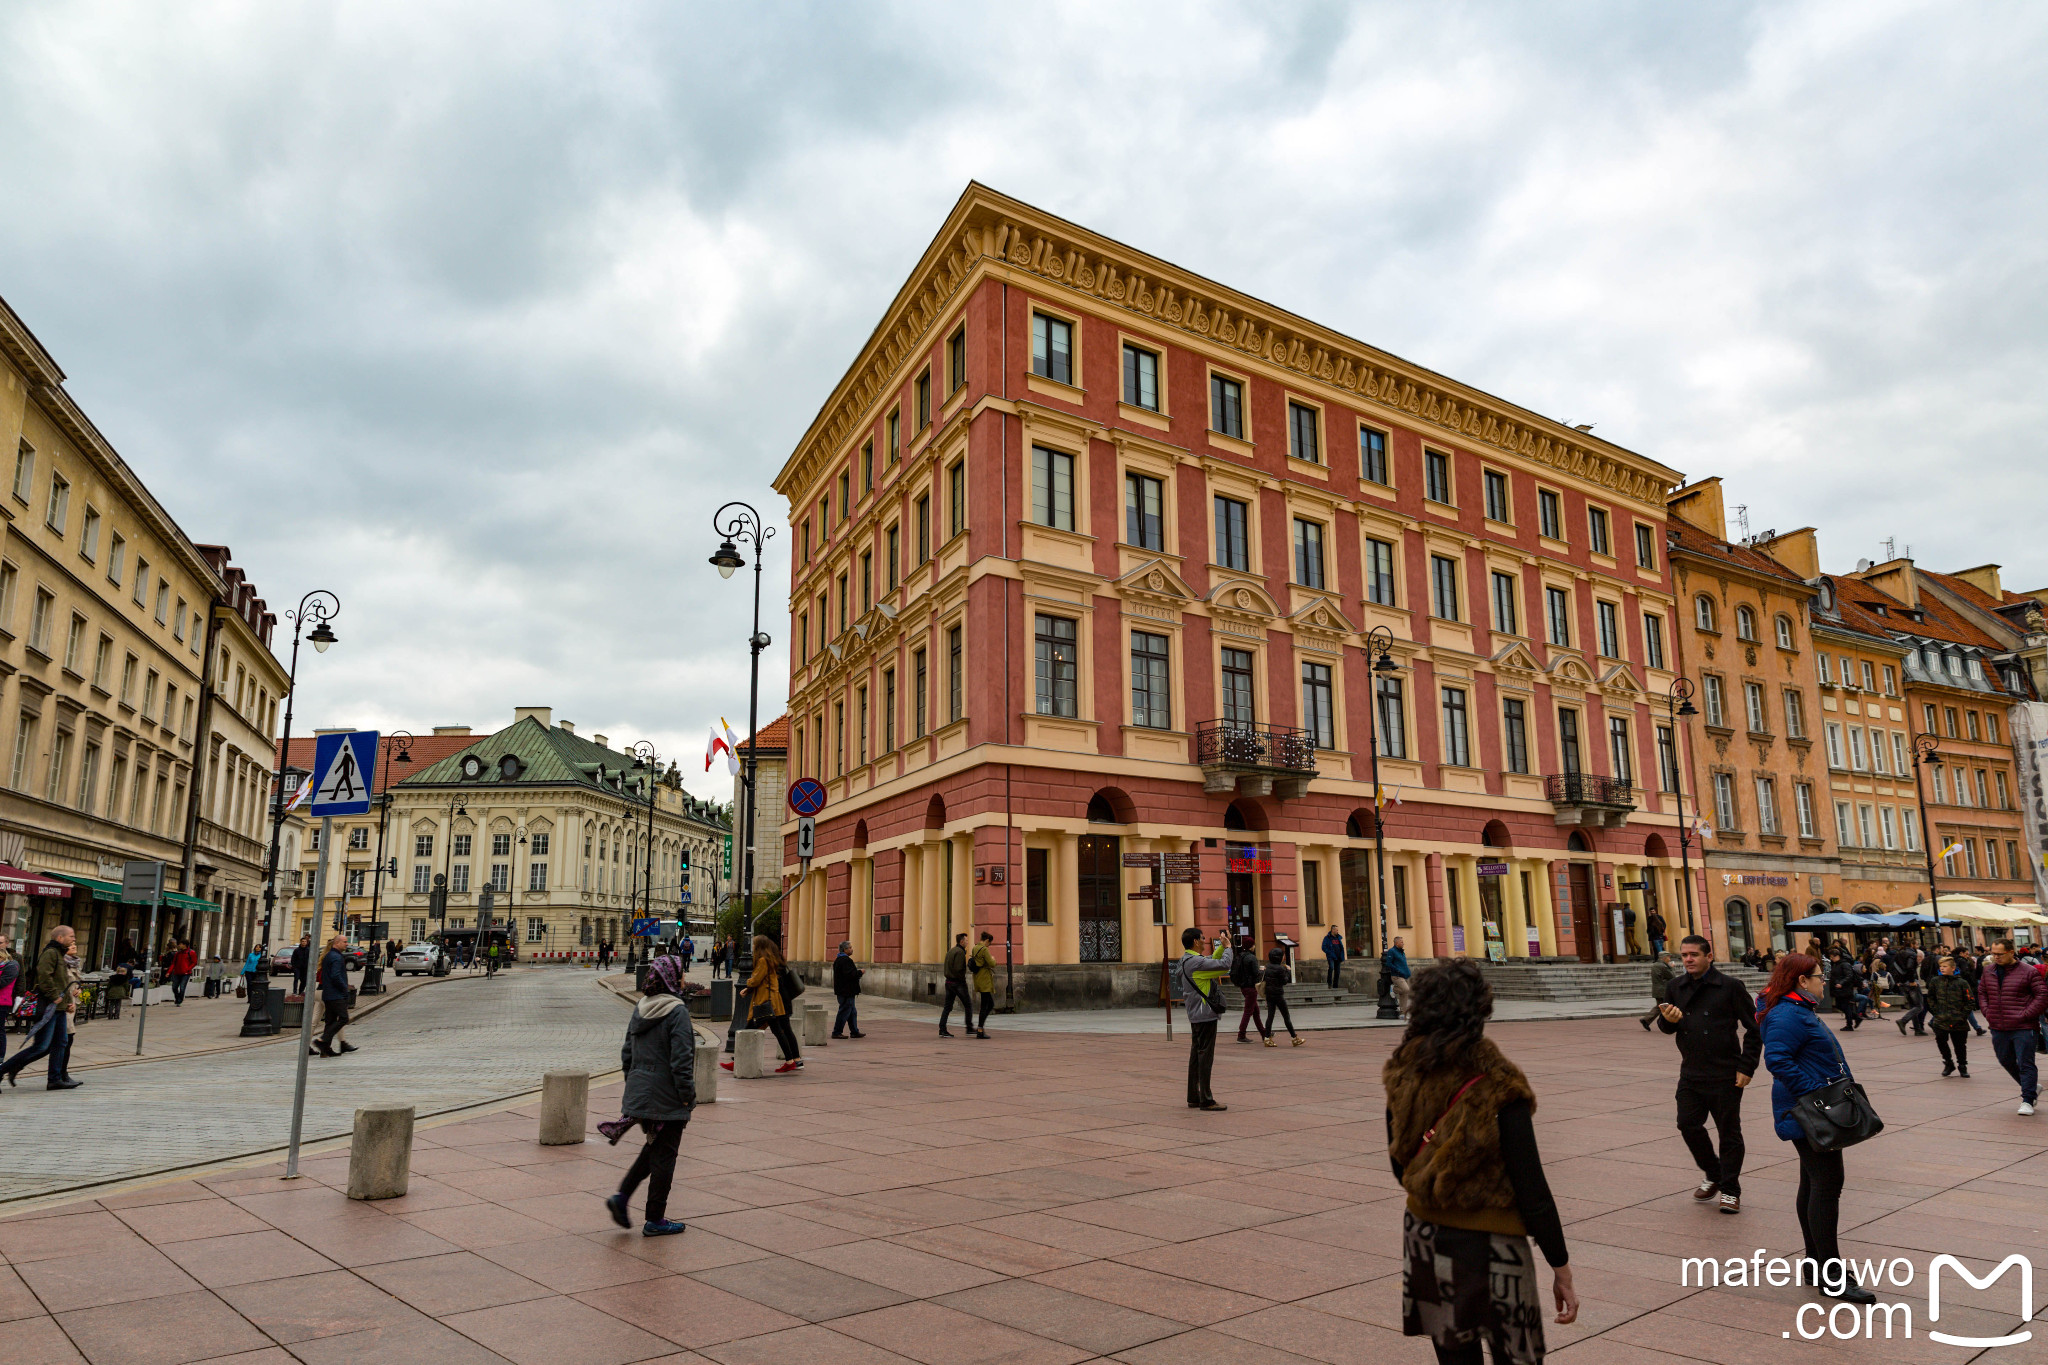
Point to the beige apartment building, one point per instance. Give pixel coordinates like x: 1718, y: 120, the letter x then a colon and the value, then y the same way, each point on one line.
x: 106, y: 606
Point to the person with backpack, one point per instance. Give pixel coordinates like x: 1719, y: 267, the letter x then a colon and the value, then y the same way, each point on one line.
x: 1196, y: 975
x: 1244, y: 974
x: 659, y: 1058
x: 1276, y: 999
x: 956, y: 986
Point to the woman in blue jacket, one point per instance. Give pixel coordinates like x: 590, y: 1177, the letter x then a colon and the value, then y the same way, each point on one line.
x: 1803, y: 1056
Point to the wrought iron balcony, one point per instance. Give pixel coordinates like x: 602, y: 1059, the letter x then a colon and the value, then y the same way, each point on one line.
x: 1257, y: 760
x: 1589, y: 799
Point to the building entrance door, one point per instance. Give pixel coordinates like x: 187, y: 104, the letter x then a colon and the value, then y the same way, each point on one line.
x: 1736, y: 916
x: 1241, y: 891
x: 1585, y: 912
x: 1361, y: 923
x: 1102, y: 898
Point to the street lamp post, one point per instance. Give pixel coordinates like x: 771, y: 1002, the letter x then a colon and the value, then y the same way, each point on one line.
x: 738, y: 521
x: 1678, y: 706
x: 647, y: 762
x: 397, y: 749
x: 320, y: 606
x: 1379, y: 644
x: 1926, y: 754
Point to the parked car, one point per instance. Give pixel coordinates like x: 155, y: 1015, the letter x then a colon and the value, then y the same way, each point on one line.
x: 417, y: 959
x: 281, y: 959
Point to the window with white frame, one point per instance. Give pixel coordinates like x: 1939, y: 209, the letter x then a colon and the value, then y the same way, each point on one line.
x: 536, y: 876
x: 1717, y: 708
x: 1753, y: 707
x: 1724, y: 801
x: 1877, y: 755
x: 1837, y: 756
x: 1910, y: 820
x: 1802, y: 800
x: 1858, y: 756
x: 1888, y: 826
x: 1784, y: 628
x: 1795, y: 713
x: 1844, y: 835
x: 1766, y: 806
x: 1866, y: 827
x: 1703, y: 612
x: 1745, y: 624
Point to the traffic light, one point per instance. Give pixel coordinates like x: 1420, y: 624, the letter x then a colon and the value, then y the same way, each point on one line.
x: 686, y: 857
x: 391, y: 867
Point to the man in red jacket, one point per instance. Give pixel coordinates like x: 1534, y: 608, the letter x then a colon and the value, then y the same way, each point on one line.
x: 2013, y: 996
x: 179, y: 969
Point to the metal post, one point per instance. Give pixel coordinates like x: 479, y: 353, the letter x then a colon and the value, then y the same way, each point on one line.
x: 1379, y: 640
x: 149, y: 960
x: 1678, y: 705
x: 1925, y: 753
x: 745, y: 524
x: 1164, y: 944
x: 306, y: 997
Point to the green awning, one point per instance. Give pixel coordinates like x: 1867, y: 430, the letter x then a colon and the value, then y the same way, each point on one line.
x: 111, y: 891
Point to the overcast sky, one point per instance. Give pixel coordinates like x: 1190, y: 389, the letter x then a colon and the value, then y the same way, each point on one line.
x: 473, y: 313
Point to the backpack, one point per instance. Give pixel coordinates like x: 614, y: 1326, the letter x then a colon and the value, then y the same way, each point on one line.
x: 1244, y: 971
x: 791, y: 986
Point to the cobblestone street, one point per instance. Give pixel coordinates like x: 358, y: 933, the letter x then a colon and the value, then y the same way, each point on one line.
x: 458, y: 1042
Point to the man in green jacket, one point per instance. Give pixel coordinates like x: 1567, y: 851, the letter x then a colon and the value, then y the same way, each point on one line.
x: 49, y: 1033
x: 956, y: 986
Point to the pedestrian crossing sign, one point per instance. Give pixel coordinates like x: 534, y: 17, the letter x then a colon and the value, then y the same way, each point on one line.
x: 344, y: 773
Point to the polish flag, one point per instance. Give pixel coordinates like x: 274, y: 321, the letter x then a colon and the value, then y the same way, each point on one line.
x: 729, y: 743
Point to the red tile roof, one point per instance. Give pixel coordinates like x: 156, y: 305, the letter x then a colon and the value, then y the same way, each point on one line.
x: 1689, y: 539
x: 774, y: 736
x: 1939, y: 620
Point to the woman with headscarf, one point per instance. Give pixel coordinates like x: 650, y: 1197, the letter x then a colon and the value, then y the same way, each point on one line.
x: 1462, y: 1141
x: 660, y: 1061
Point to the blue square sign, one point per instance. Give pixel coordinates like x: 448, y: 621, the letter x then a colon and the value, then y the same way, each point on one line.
x: 344, y: 773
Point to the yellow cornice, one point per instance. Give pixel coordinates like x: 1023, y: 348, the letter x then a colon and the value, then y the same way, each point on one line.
x: 991, y: 234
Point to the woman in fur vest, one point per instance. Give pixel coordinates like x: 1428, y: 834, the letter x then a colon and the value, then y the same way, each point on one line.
x: 1461, y: 1137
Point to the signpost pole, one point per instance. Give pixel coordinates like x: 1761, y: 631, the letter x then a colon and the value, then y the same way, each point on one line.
x: 306, y: 998
x: 1164, y: 926
x: 149, y: 954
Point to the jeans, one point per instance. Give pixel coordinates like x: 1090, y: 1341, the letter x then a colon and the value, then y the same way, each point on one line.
x: 988, y: 1004
x: 1915, y: 1016
x: 178, y: 989
x: 656, y: 1165
x: 1720, y: 1100
x: 849, y: 1016
x: 1201, y: 1060
x: 49, y: 1035
x: 1336, y: 967
x: 2015, y: 1049
x: 1656, y: 947
x: 1819, y: 1202
x: 1958, y: 1038
x: 957, y: 990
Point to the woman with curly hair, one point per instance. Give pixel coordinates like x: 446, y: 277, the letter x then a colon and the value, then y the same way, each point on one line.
x: 1462, y: 1141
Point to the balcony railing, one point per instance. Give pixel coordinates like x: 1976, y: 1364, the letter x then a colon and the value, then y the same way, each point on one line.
x: 1589, y: 799
x: 1258, y: 760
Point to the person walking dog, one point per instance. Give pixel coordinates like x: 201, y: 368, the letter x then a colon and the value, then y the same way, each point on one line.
x: 1707, y: 1011
x: 1196, y: 976
x: 1461, y: 1139
x: 659, y: 1058
x: 846, y: 977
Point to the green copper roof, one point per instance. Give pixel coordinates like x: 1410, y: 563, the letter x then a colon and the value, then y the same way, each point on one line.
x: 548, y: 756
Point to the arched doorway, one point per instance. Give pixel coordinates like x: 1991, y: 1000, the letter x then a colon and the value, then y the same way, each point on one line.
x: 1735, y: 917
x: 1493, y: 871
x: 1357, y: 879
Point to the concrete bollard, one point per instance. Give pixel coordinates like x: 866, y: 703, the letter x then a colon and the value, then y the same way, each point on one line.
x: 380, y: 1154
x: 816, y: 1025
x: 753, y: 1054
x: 564, y: 1107
x: 708, y: 1057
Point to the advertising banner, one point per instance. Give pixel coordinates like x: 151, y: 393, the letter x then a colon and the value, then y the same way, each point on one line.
x: 2029, y: 724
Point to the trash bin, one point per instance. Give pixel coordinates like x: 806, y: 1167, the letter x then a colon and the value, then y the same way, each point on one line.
x: 640, y: 978
x: 275, y: 1008
x: 721, y: 999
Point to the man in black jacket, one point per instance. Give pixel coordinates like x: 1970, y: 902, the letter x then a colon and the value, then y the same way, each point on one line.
x: 956, y: 986
x: 846, y: 985
x: 1718, y: 1047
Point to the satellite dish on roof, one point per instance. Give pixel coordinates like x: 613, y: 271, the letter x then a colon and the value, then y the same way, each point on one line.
x: 1861, y: 565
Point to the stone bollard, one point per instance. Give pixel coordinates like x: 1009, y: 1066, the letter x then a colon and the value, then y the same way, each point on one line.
x: 816, y: 1025
x: 380, y: 1154
x: 708, y: 1057
x: 564, y: 1107
x: 753, y: 1054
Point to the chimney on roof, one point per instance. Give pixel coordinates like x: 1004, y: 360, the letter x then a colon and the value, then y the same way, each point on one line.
x: 451, y: 729
x: 1895, y: 576
x: 1797, y: 550
x: 1984, y: 578
x: 598, y: 740
x: 1699, y: 505
x: 568, y: 726
x: 544, y: 714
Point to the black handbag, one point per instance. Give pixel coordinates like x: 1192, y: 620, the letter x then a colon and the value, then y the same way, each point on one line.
x: 1836, y: 1116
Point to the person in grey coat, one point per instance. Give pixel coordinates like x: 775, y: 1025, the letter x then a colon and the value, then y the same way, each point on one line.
x: 1196, y: 976
x: 659, y: 1058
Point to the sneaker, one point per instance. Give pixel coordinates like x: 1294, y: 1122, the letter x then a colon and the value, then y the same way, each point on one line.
x: 1707, y: 1190
x: 727, y: 1066
x: 665, y: 1228
x: 787, y: 1066
x: 616, y: 1206
x: 1242, y: 1039
x: 1299, y: 1040
x: 2026, y: 1106
x: 1731, y: 1203
x: 1271, y: 1043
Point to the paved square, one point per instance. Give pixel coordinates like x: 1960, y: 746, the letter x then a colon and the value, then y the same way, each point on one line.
x: 1038, y: 1197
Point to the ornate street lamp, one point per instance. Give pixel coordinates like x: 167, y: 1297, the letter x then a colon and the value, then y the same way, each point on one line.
x: 318, y: 606
x: 648, y: 764
x: 1379, y: 645
x: 1926, y: 754
x: 738, y: 521
x: 1678, y: 706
